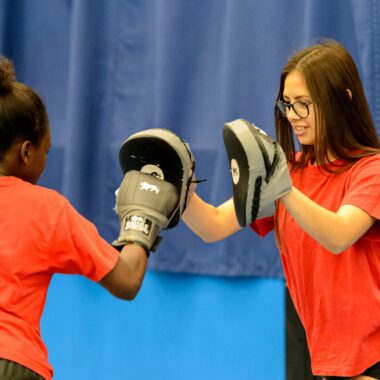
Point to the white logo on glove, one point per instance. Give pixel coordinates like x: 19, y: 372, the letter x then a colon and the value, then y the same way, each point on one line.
x: 138, y: 224
x: 148, y: 187
x: 235, y: 172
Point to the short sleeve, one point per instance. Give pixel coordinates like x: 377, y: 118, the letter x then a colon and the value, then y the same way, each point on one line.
x: 363, y: 186
x: 77, y: 247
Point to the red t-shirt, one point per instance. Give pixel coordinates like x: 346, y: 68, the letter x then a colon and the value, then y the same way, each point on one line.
x: 337, y: 296
x: 40, y: 234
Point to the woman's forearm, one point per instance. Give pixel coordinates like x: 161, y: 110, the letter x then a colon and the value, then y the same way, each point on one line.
x: 211, y: 223
x: 336, y: 231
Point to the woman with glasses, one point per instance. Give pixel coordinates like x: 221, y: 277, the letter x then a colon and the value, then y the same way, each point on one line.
x: 327, y: 226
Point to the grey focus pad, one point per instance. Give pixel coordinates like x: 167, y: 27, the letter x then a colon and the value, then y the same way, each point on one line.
x: 253, y: 157
x: 163, y: 154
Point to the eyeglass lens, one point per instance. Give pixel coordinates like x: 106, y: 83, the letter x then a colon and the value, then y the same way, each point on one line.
x: 301, y: 109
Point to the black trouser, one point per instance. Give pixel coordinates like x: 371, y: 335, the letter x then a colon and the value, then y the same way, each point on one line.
x: 13, y: 371
x: 298, y: 365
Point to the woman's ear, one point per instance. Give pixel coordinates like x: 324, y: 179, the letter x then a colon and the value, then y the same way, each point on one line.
x: 26, y: 151
x: 349, y: 93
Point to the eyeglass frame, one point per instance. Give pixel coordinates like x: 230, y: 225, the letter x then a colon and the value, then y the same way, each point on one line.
x: 289, y: 106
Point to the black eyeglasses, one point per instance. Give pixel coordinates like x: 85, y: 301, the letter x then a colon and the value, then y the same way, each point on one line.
x: 301, y: 109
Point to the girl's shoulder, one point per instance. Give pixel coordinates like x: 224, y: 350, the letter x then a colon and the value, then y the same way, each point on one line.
x: 370, y: 162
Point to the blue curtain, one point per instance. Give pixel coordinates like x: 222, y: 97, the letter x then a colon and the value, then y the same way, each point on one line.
x: 107, y: 69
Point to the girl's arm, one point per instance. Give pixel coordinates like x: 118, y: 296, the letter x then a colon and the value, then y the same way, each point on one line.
x: 211, y: 223
x: 125, y: 279
x: 334, y: 231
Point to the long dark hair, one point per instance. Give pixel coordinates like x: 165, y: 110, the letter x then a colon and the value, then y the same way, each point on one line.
x: 344, y: 126
x: 23, y: 114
